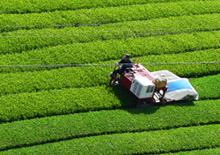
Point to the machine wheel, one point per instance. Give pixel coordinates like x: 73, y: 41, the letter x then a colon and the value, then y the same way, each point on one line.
x: 164, y: 102
x: 111, y: 81
x: 143, y: 104
x: 114, y: 81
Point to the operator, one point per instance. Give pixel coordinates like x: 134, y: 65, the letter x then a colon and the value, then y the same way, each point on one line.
x: 125, y: 62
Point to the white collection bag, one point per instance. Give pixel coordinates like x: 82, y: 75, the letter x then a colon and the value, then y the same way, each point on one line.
x: 181, y: 89
x: 178, y: 88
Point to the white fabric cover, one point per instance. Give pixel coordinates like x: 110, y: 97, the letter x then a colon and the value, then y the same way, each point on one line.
x: 178, y: 88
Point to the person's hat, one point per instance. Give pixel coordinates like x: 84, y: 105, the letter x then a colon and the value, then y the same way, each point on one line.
x: 127, y: 56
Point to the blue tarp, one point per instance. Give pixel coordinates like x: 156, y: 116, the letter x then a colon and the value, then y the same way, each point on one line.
x: 178, y: 84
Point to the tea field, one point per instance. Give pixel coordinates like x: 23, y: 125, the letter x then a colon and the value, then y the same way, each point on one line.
x: 71, y: 109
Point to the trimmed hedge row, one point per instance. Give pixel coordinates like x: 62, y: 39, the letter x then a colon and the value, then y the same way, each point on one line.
x: 96, y: 52
x: 49, y: 129
x: 66, y: 101
x: 54, y: 79
x: 196, y: 152
x: 56, y: 102
x: 133, y: 143
x: 19, y: 82
x: 19, y: 6
x: 192, y: 70
x: 205, y: 89
x: 107, y: 15
x: 23, y: 40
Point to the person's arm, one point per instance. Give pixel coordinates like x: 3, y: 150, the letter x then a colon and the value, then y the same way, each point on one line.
x: 119, y: 63
x: 130, y: 63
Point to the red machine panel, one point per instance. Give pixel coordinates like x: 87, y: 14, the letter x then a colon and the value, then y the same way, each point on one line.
x: 137, y: 69
x: 127, y: 78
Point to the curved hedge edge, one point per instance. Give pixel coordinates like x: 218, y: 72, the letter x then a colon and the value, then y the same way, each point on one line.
x: 215, y: 150
x: 173, y: 140
x: 23, y: 40
x: 101, y: 51
x: 35, y: 6
x: 51, y: 129
x: 66, y: 101
x: 60, y: 19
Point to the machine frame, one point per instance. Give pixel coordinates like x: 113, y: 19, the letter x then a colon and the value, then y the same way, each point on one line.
x: 128, y: 77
